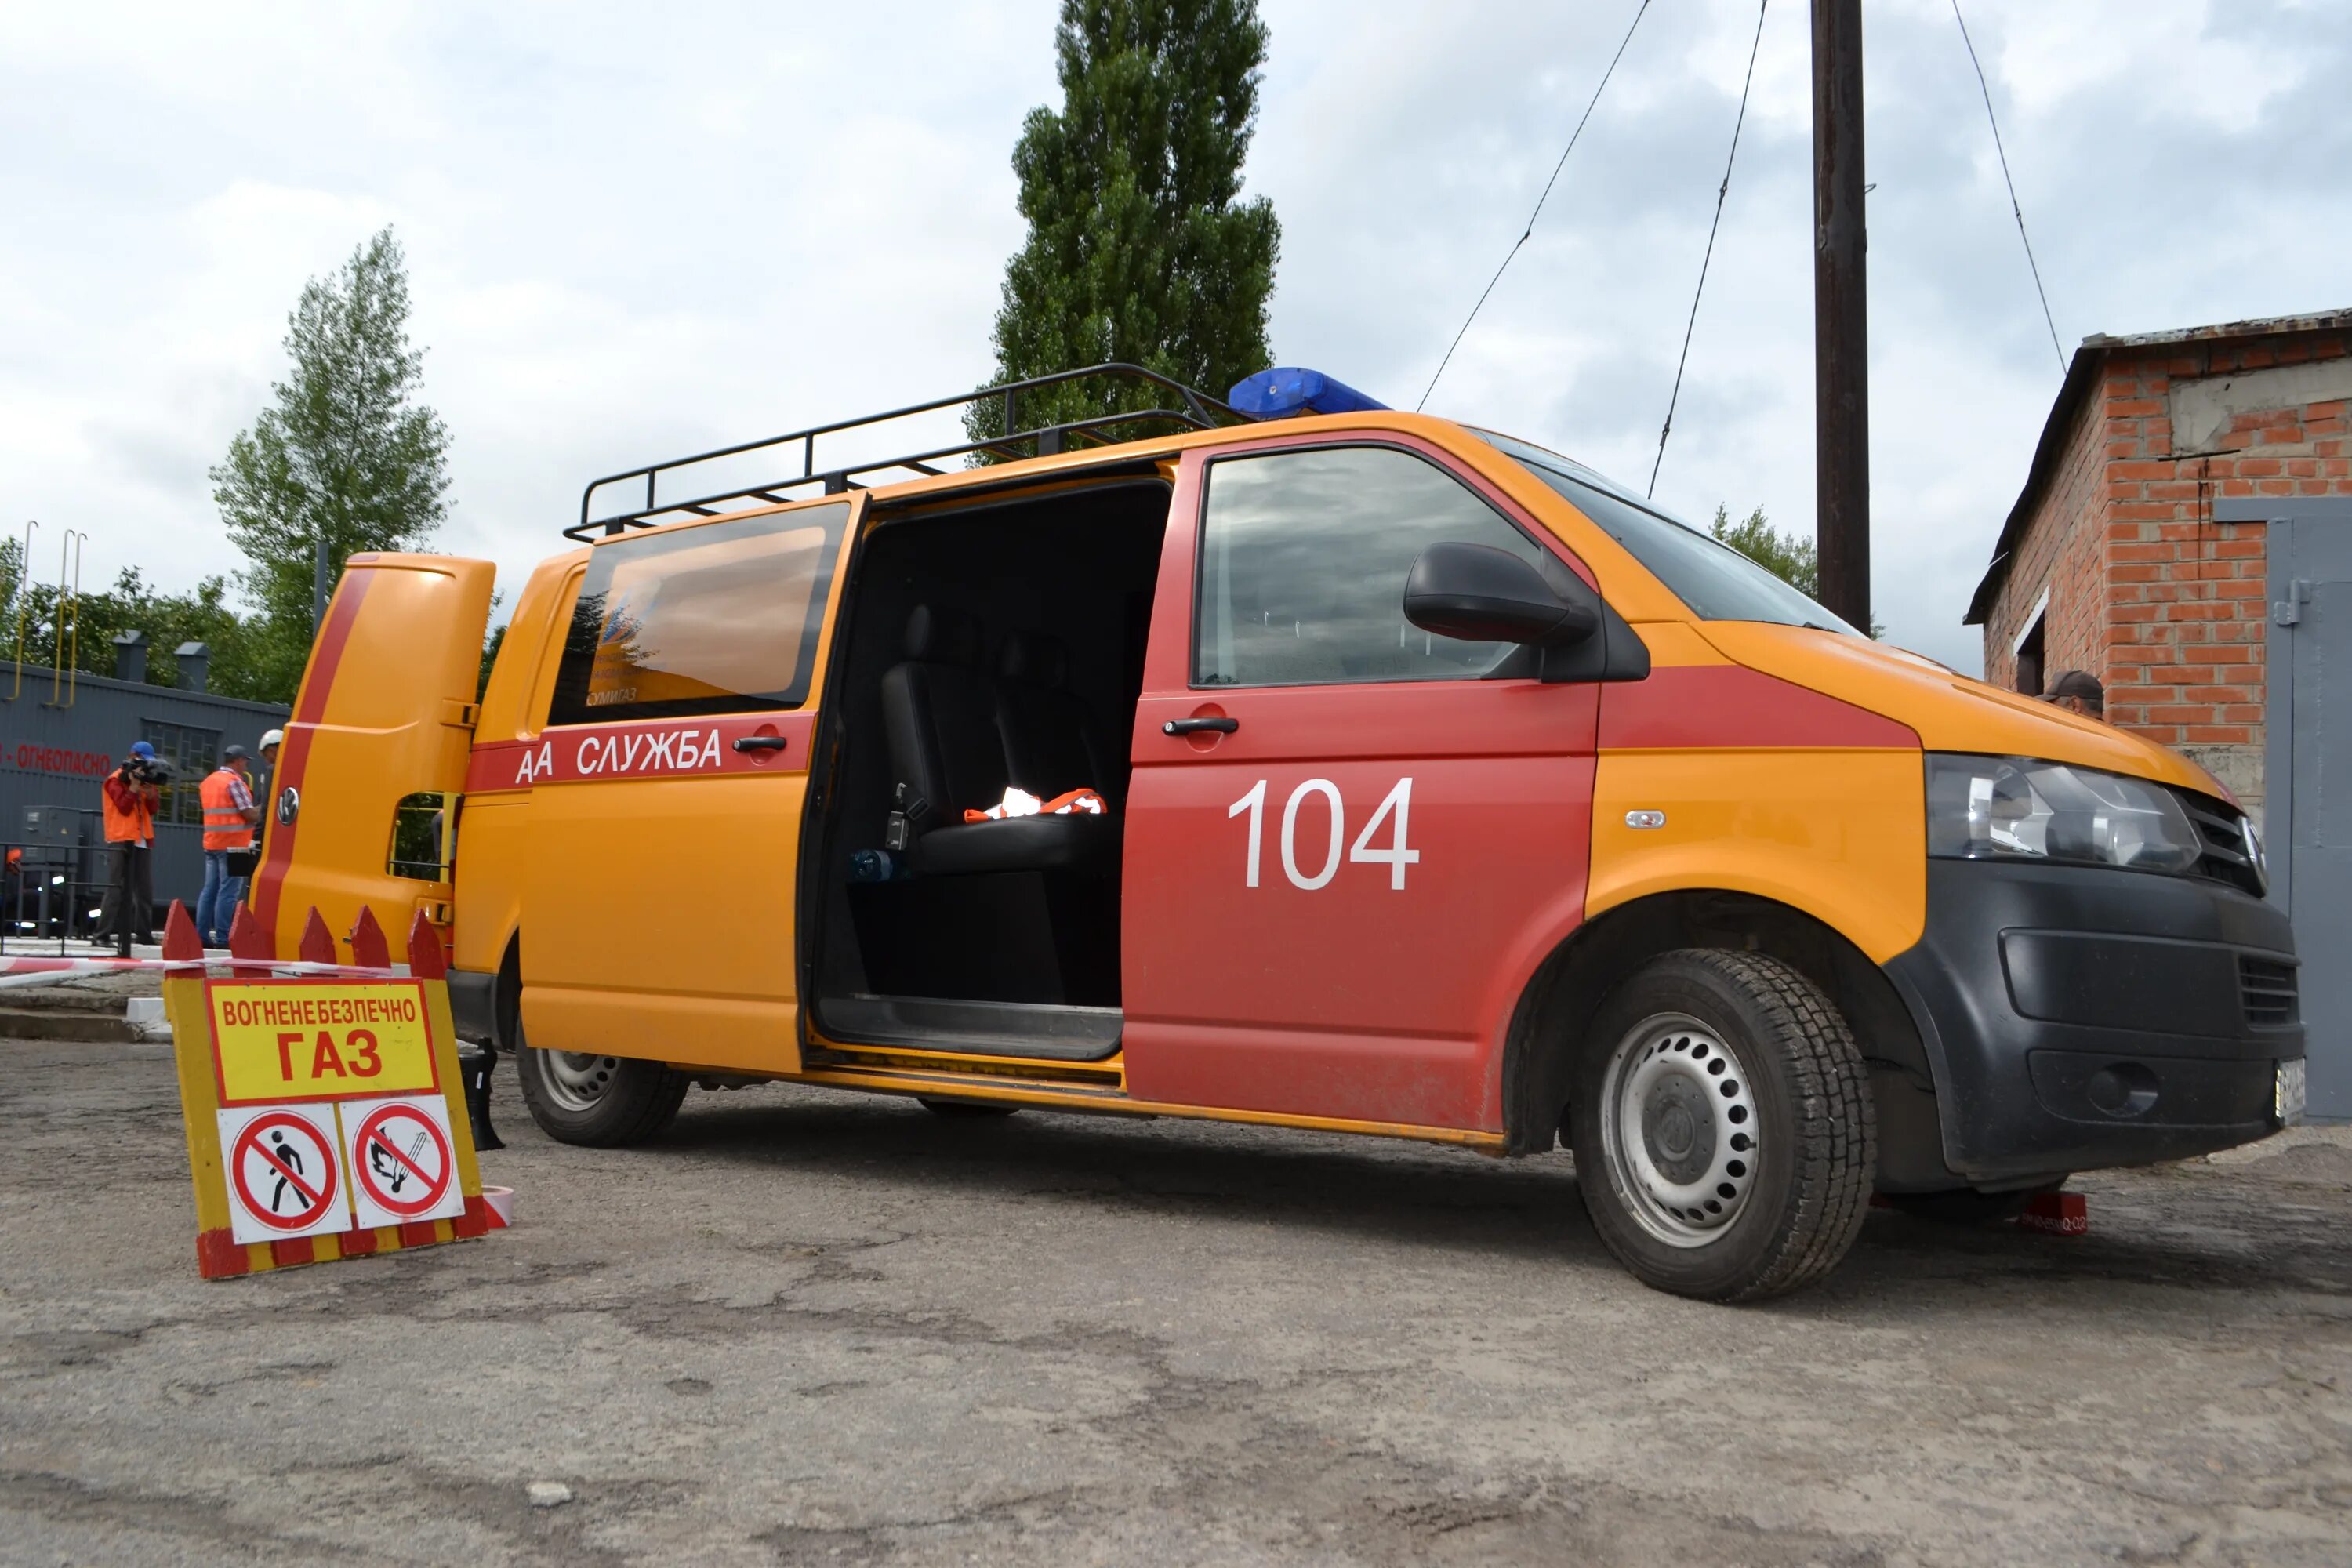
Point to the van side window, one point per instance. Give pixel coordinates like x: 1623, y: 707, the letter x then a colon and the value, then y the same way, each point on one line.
x: 423, y: 841
x: 716, y: 618
x: 1303, y: 561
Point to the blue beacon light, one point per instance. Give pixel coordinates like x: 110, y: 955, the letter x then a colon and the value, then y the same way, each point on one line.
x: 1288, y: 390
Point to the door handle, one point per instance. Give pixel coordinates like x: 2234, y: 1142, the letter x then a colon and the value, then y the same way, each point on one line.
x: 762, y: 743
x: 1189, y: 726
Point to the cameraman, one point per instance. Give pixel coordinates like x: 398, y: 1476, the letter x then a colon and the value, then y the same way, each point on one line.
x: 133, y: 792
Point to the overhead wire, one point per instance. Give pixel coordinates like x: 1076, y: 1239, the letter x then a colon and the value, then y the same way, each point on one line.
x: 2031, y: 266
x: 1530, y: 226
x: 1721, y: 192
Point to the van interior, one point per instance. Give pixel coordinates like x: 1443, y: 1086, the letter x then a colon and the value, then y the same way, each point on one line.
x: 987, y: 644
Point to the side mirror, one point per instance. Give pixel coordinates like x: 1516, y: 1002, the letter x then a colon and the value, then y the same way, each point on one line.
x: 1479, y: 594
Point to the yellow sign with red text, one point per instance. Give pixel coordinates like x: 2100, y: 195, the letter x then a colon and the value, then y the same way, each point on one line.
x: 282, y: 1041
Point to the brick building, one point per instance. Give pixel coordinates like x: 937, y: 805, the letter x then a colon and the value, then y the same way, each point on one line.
x: 2114, y: 559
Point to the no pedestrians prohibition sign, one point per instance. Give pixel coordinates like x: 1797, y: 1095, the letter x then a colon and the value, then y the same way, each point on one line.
x: 284, y: 1176
x: 402, y: 1163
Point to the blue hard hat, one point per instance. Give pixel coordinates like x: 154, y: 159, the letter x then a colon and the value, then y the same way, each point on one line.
x: 142, y: 749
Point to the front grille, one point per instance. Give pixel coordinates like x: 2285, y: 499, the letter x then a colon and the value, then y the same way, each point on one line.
x: 2267, y: 989
x: 2224, y: 842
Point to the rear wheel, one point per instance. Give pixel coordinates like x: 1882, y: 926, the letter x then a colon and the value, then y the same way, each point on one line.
x: 603, y: 1102
x: 1723, y: 1127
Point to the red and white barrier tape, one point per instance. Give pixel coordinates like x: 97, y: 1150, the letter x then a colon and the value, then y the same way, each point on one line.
x: 29, y: 971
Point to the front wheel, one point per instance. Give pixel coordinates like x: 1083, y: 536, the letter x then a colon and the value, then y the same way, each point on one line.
x: 1723, y: 1127
x: 603, y: 1102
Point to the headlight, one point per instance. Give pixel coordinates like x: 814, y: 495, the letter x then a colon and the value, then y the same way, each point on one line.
x: 2002, y: 808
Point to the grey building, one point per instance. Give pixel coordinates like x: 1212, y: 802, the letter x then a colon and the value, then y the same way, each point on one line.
x: 63, y: 733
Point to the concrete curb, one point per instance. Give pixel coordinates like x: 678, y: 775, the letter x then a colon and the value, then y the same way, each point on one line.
x: 66, y: 1024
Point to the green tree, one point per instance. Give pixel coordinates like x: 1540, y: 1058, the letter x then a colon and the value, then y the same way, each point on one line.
x: 1792, y: 558
x: 344, y: 451
x: 1139, y: 247
x: 492, y: 640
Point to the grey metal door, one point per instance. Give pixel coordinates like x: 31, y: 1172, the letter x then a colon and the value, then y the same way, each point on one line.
x: 2308, y: 774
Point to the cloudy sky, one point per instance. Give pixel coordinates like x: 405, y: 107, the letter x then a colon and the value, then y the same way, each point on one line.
x: 635, y: 232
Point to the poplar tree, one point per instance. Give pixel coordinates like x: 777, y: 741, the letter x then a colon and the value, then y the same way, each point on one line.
x: 1140, y: 246
x: 344, y: 451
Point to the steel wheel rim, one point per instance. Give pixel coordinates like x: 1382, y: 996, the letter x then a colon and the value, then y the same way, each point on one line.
x: 1679, y: 1129
x: 577, y: 1080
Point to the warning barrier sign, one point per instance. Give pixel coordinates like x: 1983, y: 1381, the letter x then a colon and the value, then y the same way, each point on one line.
x: 285, y: 1176
x: 317, y: 1105
x: 402, y: 1160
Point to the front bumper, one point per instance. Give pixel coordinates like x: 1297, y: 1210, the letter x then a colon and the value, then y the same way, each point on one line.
x: 2077, y: 1017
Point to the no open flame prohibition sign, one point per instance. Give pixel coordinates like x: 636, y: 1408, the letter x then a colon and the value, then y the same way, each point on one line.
x: 403, y: 1161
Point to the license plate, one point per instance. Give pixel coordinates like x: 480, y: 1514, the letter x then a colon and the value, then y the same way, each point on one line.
x: 2287, y: 1097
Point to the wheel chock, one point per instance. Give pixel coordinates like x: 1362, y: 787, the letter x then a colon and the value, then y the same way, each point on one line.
x: 2057, y: 1213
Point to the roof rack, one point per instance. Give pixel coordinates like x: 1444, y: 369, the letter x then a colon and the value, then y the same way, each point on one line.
x: 1197, y: 411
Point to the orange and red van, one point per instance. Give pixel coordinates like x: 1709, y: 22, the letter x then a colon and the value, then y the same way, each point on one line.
x: 1449, y: 792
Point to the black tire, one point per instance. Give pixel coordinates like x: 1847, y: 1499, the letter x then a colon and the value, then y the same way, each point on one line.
x: 1785, y: 1072
x: 599, y: 1102
x: 961, y: 1110
x: 1966, y: 1205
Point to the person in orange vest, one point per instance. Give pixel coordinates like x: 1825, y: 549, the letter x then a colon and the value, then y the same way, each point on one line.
x: 229, y: 816
x: 132, y: 791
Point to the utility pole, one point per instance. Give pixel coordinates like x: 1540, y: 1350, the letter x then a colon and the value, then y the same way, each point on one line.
x: 319, y: 585
x: 1841, y: 315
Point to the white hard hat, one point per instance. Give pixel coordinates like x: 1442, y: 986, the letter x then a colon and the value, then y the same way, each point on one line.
x: 273, y: 737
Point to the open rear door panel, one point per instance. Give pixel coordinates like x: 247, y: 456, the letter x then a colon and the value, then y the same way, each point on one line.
x: 386, y: 714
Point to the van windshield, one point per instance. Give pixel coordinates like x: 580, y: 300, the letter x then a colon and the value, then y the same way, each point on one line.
x: 1716, y: 581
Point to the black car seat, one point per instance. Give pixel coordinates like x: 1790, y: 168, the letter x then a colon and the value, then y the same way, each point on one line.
x: 1049, y: 746
x: 940, y: 716
x: 939, y: 711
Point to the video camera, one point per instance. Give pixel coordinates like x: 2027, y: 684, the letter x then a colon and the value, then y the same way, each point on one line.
x: 147, y: 770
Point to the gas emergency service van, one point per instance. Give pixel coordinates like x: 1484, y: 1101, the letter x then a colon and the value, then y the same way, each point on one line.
x: 1447, y: 790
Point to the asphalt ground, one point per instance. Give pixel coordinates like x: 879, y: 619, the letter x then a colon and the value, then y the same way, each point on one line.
x: 809, y: 1327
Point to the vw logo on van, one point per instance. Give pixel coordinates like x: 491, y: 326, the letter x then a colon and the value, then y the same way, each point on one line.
x: 290, y: 805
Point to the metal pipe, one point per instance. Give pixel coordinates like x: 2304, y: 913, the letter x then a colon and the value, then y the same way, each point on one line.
x: 73, y: 650
x: 57, y: 670
x: 23, y: 602
x: 319, y: 585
